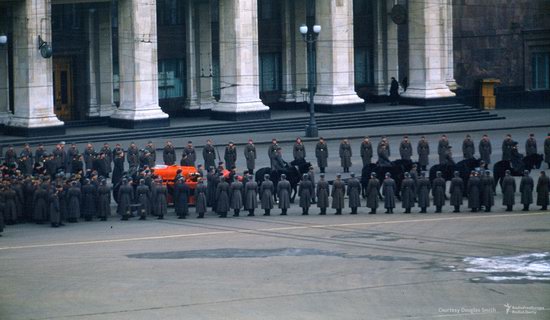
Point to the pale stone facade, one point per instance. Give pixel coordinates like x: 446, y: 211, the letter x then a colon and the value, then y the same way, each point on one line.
x: 222, y: 69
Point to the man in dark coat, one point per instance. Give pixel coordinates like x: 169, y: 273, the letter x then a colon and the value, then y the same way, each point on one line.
x: 55, y: 213
x: 468, y: 148
x: 73, y: 202
x: 38, y: 153
x: 250, y: 196
x: 125, y: 199
x: 547, y: 150
x: 153, y: 153
x: 108, y: 152
x: 322, y: 192
x: 266, y: 195
x: 71, y: 154
x: 104, y: 200
x: 405, y: 149
x: 383, y: 156
x: 230, y: 155
x: 474, y: 192
x: 169, y: 154
x: 438, y: 192
x: 200, y: 198
x: 507, y: 145
x: 321, y: 153
x: 212, y: 184
x: 132, y: 156
x: 89, y: 154
x: 407, y: 193
x: 345, y: 155
x: 487, y: 191
x: 457, y: 191
x: 338, y: 194
x: 304, y: 191
x: 543, y: 188
x: 423, y: 150
x: 526, y: 187
x: 181, y: 196
x: 485, y: 149
x: 394, y: 92
x: 209, y: 155
x: 236, y: 189
x: 88, y: 200
x: 442, y: 148
x: 373, y: 193
x: 531, y: 145
x: 508, y: 191
x: 366, y: 151
x: 191, y: 153
x: 354, y: 193
x: 299, y: 150
x: 26, y: 153
x: 143, y: 198
x: 10, y: 155
x: 160, y: 200
x: 250, y: 156
x: 278, y: 164
x: 389, y: 191
x: 384, y: 142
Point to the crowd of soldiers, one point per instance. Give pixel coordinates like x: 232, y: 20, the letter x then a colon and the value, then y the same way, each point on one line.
x: 67, y: 185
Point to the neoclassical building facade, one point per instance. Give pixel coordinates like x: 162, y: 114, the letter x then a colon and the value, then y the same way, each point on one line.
x: 139, y: 62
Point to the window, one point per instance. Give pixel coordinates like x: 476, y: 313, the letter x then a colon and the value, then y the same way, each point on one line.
x: 171, y: 78
x: 541, y: 70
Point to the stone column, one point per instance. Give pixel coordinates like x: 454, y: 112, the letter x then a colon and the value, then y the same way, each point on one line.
x: 385, y: 48
x: 105, y: 43
x: 203, y: 28
x: 93, y: 76
x: 138, y: 67
x: 291, y: 38
x: 4, y: 85
x: 240, y: 97
x: 191, y: 38
x: 335, y: 57
x: 33, y: 75
x: 450, y: 76
x: 427, y: 77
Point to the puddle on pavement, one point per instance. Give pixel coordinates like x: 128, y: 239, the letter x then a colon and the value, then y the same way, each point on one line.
x: 518, y: 269
x: 231, y: 253
x: 378, y: 236
x: 537, y: 230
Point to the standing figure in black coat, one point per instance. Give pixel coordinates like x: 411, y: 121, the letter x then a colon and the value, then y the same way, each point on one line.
x: 230, y: 155
x: 468, y: 148
x: 366, y: 151
x: 250, y: 156
x: 190, y: 153
x: 143, y: 197
x: 389, y: 190
x: 485, y: 149
x: 394, y: 92
x: 181, y: 196
x: 88, y: 200
x: 487, y: 191
x: 73, y: 202
x: 543, y: 188
x: 40, y: 202
x: 103, y: 200
x: 474, y: 192
x: 209, y: 155
x: 508, y: 191
x: 526, y: 187
x: 438, y: 192
x: 457, y: 191
x: 169, y: 154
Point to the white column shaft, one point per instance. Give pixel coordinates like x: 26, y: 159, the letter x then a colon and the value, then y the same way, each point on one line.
x: 107, y: 106
x: 93, y: 110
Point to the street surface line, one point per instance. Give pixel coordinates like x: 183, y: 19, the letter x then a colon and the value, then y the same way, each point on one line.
x: 251, y: 231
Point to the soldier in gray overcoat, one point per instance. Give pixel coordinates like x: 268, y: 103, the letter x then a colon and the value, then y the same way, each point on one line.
x: 366, y: 151
x: 354, y: 193
x: 266, y: 195
x: 389, y: 190
x: 507, y: 145
x: 373, y: 193
x: 125, y: 197
x: 407, y: 193
x: 236, y: 193
x: 526, y: 187
x: 272, y: 151
x: 468, y: 148
x: 181, y: 198
x: 299, y: 150
x: 474, y: 192
x: 442, y: 148
x: 143, y: 197
x: 543, y: 186
x: 405, y: 149
x: 345, y: 155
x: 304, y: 190
x: 547, y: 150
x: 457, y: 191
x: 88, y: 200
x: 423, y: 150
x: 423, y: 192
x: 222, y: 198
x: 338, y: 193
x: 55, y: 214
x: 169, y: 154
x: 212, y: 184
x: 531, y: 145
x: 250, y: 196
x: 321, y: 153
x: 230, y: 156
x: 311, y: 176
x: 508, y: 191
x: 200, y: 198
x: 322, y: 192
x: 487, y: 191
x: 10, y: 208
x: 485, y: 149
x: 209, y: 155
x: 103, y: 201
x: 160, y: 199
x: 190, y: 153
x: 438, y: 192
x: 250, y: 156
x: 283, y: 193
x: 73, y: 202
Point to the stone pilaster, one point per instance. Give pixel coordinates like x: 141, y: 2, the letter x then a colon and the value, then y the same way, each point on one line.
x: 450, y: 76
x: 105, y: 43
x: 191, y: 47
x: 4, y: 85
x: 335, y: 57
x: 291, y: 37
x: 93, y: 60
x: 33, y: 75
x: 204, y: 41
x: 385, y: 48
x: 138, y: 66
x: 240, y: 98
x: 427, y: 72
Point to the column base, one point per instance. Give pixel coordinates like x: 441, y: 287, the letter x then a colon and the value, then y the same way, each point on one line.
x: 139, y: 124
x: 428, y: 97
x: 231, y: 111
x: 107, y: 110
x: 144, y: 117
x: 339, y: 103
